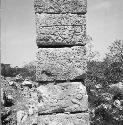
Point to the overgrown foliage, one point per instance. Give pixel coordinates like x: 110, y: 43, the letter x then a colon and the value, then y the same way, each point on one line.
x: 105, y: 73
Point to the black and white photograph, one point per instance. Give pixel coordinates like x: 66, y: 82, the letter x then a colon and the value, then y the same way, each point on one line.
x: 61, y: 62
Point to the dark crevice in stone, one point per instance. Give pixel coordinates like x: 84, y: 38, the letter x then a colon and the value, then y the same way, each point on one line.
x: 78, y: 13
x: 59, y: 45
x: 5, y: 116
x: 47, y: 73
x: 63, y: 25
x: 61, y: 81
x: 76, y: 112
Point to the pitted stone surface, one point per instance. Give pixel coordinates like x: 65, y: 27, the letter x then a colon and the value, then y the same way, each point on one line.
x: 26, y: 106
x: 27, y: 120
x: 63, y: 97
x: 60, y: 6
x: 64, y: 119
x: 61, y: 35
x: 60, y: 63
x: 59, y: 19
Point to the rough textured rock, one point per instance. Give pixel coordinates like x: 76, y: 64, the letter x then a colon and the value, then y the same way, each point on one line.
x: 24, y: 119
x: 60, y: 29
x: 60, y: 63
x: 61, y: 35
x: 64, y: 119
x: 60, y: 6
x: 27, y: 101
x: 59, y: 19
x: 27, y: 111
x: 63, y: 97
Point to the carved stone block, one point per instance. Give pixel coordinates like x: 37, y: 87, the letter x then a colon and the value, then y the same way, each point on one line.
x: 60, y: 6
x: 60, y: 63
x: 64, y: 119
x: 59, y: 19
x: 60, y: 29
x: 61, y: 36
x: 63, y: 97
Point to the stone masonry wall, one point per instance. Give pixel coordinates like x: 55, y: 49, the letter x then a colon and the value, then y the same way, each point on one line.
x: 61, y: 58
x: 60, y: 29
x: 61, y: 39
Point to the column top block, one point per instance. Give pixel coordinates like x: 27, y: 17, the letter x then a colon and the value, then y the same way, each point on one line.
x: 60, y: 6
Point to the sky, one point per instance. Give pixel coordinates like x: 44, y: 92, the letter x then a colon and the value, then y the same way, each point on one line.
x: 18, y: 33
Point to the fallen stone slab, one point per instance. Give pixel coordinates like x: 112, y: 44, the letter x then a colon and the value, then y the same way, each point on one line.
x: 64, y: 119
x: 62, y: 97
x: 60, y: 36
x: 60, y: 63
x: 60, y: 6
x: 59, y: 19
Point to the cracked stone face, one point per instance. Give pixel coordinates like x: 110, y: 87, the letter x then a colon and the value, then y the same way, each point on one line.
x: 63, y: 97
x: 60, y: 63
x: 64, y: 119
x: 60, y: 6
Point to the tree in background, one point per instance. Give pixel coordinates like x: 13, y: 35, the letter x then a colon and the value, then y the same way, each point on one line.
x: 115, y: 53
x: 93, y: 65
x: 27, y: 70
x: 6, y: 70
x: 114, y: 61
x: 31, y: 68
x: 90, y: 53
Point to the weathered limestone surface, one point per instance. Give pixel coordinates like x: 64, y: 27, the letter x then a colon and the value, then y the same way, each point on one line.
x: 27, y: 120
x: 59, y: 19
x: 63, y: 97
x: 60, y: 6
x: 61, y: 35
x: 64, y: 119
x: 26, y: 106
x: 60, y: 63
x: 61, y: 60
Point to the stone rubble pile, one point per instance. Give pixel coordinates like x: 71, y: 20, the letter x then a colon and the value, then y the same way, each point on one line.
x: 8, y: 100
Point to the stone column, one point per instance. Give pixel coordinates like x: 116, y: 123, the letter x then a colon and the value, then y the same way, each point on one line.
x: 61, y: 57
